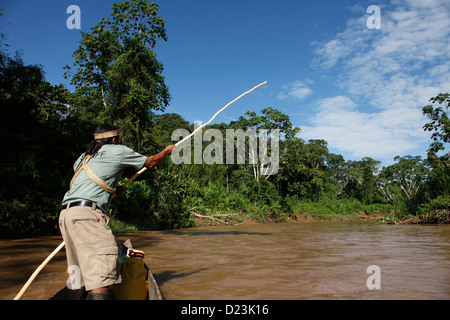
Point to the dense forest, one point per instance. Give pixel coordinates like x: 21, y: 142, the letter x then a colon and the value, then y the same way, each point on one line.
x: 118, y: 80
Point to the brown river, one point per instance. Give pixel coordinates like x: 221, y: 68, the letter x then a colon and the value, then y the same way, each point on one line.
x: 317, y: 260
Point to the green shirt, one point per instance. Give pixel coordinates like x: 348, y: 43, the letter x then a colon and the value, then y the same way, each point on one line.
x: 108, y: 164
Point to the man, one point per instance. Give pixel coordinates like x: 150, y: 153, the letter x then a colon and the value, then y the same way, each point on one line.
x: 90, y: 244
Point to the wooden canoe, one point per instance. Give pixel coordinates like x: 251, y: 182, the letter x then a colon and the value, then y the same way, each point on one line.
x: 66, y: 294
x: 153, y: 292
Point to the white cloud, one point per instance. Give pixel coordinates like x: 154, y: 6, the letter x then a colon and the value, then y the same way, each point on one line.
x: 394, y: 71
x: 378, y: 135
x: 295, y: 90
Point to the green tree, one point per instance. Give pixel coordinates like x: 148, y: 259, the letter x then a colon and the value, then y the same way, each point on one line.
x: 117, y: 76
x: 118, y: 80
x: 403, y: 182
x: 336, y: 166
x: 439, y: 124
x: 438, y: 183
x: 303, y: 171
x: 360, y: 179
x: 368, y: 187
x: 269, y: 119
x: 38, y: 140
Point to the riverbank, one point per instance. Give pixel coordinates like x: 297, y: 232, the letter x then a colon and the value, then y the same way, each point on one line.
x: 435, y: 217
x: 440, y: 217
x: 308, y: 212
x: 305, y: 217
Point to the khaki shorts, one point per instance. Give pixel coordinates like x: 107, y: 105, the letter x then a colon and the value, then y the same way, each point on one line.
x: 91, y: 249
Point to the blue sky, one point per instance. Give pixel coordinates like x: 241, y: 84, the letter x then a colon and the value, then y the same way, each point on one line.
x: 359, y: 89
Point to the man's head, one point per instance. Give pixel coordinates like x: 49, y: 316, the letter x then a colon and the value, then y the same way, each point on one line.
x: 106, y: 134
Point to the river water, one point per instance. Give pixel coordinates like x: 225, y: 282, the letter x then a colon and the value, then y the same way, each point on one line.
x: 317, y: 260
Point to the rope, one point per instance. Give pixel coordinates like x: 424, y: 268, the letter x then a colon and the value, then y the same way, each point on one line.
x: 84, y: 166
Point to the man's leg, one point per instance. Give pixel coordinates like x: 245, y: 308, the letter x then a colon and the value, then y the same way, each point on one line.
x: 97, y: 251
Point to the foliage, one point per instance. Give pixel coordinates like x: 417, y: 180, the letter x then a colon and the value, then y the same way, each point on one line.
x: 154, y: 203
x: 38, y: 146
x: 439, y: 124
x: 119, y: 80
x: 437, y: 188
x: 117, y: 76
x: 436, y: 210
x: 403, y: 183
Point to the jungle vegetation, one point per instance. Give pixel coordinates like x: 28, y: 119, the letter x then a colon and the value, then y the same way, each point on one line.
x: 118, y: 79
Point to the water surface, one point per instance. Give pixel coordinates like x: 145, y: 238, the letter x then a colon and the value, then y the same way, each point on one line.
x: 319, y: 260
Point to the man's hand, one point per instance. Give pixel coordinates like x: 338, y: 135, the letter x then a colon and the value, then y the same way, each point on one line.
x: 169, y: 149
x: 155, y: 160
x: 119, y: 191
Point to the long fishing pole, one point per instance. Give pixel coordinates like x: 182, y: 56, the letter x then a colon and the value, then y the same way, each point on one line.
x: 36, y: 272
x: 199, y: 128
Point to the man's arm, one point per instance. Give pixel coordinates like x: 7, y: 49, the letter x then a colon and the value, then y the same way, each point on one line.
x: 151, y: 162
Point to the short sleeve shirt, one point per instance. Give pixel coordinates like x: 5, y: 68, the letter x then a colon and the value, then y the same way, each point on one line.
x: 108, y: 164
